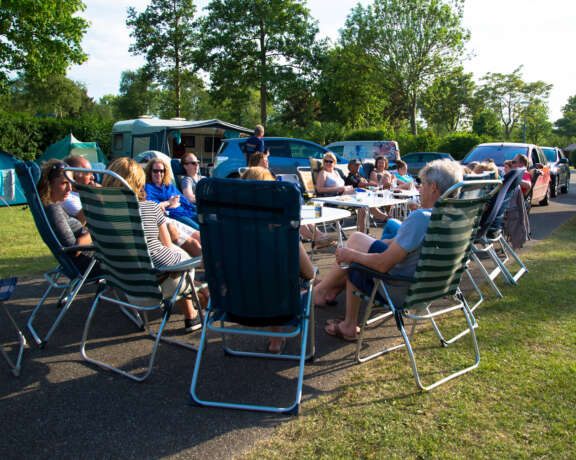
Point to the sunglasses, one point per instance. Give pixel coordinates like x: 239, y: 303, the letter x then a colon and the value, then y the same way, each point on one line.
x: 56, y: 170
x: 158, y: 171
x: 328, y: 161
x: 195, y: 163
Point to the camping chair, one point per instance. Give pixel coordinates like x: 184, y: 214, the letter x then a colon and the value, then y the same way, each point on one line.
x: 490, y: 236
x: 307, y: 182
x: 250, y: 238
x: 113, y: 218
x: 7, y: 286
x: 29, y: 173
x: 443, y: 257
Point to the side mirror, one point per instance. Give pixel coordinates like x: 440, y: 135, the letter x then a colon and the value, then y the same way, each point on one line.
x: 563, y: 161
x: 538, y: 165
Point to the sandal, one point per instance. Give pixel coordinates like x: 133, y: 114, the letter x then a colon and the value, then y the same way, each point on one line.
x: 334, y: 330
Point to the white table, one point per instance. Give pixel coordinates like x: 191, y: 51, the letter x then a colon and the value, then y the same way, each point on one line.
x: 328, y: 215
x: 366, y: 202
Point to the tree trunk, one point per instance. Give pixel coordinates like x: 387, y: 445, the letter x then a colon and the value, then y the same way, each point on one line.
x: 413, y: 124
x: 263, y: 83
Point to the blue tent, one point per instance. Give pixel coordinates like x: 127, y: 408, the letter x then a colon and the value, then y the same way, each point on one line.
x: 10, y: 189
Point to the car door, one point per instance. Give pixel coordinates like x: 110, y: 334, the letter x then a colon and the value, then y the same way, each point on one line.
x: 543, y: 182
x: 301, y: 152
x: 563, y: 168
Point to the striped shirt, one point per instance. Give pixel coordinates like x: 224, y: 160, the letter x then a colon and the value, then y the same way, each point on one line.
x: 152, y: 218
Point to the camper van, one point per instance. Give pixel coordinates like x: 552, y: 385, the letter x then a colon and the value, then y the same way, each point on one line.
x: 173, y: 137
x: 365, y: 150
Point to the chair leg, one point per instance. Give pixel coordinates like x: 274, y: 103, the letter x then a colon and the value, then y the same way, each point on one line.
x: 16, y: 365
x: 489, y: 276
x: 130, y: 375
x: 470, y: 321
x: 507, y: 249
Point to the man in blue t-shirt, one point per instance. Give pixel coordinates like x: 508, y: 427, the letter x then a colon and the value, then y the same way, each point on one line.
x: 397, y: 256
x: 254, y: 143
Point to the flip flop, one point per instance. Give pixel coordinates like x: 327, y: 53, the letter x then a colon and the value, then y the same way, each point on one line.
x: 335, y: 331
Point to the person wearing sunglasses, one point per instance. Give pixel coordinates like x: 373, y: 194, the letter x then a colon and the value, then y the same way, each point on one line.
x: 330, y: 180
x: 159, y: 188
x: 191, y: 166
x: 54, y: 188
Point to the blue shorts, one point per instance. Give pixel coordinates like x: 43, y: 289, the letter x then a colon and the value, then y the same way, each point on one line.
x: 362, y: 280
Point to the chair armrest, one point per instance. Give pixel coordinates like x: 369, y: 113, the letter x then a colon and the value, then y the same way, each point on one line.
x: 181, y: 267
x: 80, y: 247
x: 380, y: 275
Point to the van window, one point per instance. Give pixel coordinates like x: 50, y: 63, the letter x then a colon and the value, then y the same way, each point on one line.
x: 211, y: 141
x: 117, y: 142
x: 141, y: 144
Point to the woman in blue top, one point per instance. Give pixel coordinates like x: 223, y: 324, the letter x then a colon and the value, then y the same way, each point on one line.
x: 403, y: 179
x: 159, y: 188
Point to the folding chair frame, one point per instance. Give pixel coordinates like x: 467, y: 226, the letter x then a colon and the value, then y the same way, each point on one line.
x: 15, y: 365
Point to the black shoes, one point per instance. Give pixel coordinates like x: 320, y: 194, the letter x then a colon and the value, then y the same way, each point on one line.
x: 191, y: 325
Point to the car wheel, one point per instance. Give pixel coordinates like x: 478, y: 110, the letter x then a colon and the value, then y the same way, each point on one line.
x: 554, y: 186
x: 546, y: 200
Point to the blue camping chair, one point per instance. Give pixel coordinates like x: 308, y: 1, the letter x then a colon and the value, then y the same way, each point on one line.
x: 7, y: 286
x: 250, y: 247
x: 489, y: 236
x: 29, y: 173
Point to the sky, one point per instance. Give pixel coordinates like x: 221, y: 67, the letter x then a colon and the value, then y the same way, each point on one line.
x: 505, y: 34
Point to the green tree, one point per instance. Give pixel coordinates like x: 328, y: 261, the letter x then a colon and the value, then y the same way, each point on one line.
x: 264, y: 44
x: 163, y: 33
x: 446, y: 103
x: 566, y: 126
x: 538, y: 127
x: 40, y: 38
x: 412, y: 41
x: 505, y: 94
x: 486, y: 123
x: 55, y: 94
x: 138, y: 95
x: 352, y: 90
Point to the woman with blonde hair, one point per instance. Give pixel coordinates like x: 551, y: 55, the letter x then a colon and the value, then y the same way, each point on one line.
x: 162, y: 251
x: 159, y: 188
x: 329, y: 180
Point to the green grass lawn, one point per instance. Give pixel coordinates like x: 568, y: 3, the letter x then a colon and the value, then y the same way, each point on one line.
x: 519, y: 403
x: 23, y: 253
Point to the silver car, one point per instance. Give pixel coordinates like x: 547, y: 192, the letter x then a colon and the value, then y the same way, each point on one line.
x: 559, y: 170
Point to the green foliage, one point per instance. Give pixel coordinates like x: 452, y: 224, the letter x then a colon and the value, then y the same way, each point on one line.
x: 425, y: 142
x: 566, y: 126
x: 246, y: 44
x: 412, y: 41
x: 486, y: 123
x: 459, y: 144
x: 164, y: 34
x: 446, y: 103
x: 383, y: 133
x: 26, y: 136
x: 504, y: 94
x: 40, y: 38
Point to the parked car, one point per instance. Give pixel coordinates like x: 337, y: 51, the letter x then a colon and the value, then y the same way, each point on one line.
x: 286, y: 154
x: 559, y: 170
x: 417, y: 160
x: 502, y: 151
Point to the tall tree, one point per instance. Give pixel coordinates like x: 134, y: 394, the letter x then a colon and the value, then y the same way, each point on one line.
x: 163, y: 33
x: 446, y: 103
x: 262, y: 44
x: 413, y: 41
x: 507, y: 94
x: 566, y: 126
x: 138, y: 94
x: 40, y: 38
x: 538, y: 128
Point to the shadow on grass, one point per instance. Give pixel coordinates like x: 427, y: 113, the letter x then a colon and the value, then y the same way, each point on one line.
x: 26, y: 266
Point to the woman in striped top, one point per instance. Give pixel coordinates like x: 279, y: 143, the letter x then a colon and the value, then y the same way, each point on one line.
x: 160, y: 247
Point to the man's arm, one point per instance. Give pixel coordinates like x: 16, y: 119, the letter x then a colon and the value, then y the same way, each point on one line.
x: 381, y: 262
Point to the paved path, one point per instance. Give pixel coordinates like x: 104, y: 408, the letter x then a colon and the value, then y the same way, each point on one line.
x: 63, y: 407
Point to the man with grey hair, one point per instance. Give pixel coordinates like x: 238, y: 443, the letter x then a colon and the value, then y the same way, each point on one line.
x: 397, y: 256
x: 255, y: 143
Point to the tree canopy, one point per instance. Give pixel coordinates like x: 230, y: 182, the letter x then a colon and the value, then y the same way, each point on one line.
x: 40, y: 38
x: 412, y: 40
x: 263, y: 44
x: 163, y: 33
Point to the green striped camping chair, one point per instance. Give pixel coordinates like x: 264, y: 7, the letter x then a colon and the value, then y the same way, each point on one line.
x: 445, y: 251
x: 113, y: 218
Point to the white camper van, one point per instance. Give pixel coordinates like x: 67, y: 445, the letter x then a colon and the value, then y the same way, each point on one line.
x: 173, y: 137
x: 366, y: 150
